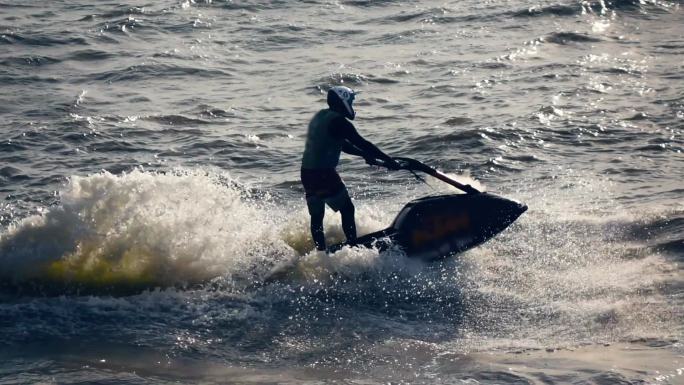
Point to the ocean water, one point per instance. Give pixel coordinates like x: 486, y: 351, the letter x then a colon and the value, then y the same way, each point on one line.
x: 149, y: 160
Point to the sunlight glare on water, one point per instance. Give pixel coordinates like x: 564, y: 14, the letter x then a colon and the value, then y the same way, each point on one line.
x: 154, y: 229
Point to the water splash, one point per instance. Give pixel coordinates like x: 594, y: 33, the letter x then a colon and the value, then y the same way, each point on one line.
x: 143, y: 229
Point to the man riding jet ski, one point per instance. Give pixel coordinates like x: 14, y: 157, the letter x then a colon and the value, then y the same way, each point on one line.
x: 429, y: 228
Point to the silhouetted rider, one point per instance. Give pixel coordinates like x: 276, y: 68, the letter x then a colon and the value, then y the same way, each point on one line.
x: 328, y: 135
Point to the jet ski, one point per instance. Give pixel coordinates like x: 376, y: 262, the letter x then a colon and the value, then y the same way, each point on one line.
x: 435, y: 227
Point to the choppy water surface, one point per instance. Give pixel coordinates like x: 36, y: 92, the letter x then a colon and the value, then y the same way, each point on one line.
x: 149, y: 158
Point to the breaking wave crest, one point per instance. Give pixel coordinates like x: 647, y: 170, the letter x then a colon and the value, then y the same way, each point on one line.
x: 142, y: 229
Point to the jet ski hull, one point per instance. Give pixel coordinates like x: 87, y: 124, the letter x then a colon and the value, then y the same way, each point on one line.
x: 435, y: 227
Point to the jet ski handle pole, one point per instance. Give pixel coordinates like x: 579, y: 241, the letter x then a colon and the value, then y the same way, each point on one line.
x: 414, y: 165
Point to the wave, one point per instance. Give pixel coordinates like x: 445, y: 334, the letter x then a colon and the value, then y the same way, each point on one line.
x: 420, y: 16
x: 458, y: 121
x: 636, y: 4
x: 371, y: 3
x: 551, y: 10
x: 39, y: 40
x: 174, y: 120
x: 565, y: 38
x: 123, y: 26
x: 664, y: 232
x: 138, y: 230
x: 351, y: 79
x: 402, y: 37
x: 13, y: 173
x: 465, y: 138
x: 597, y: 7
x: 91, y: 55
x: 144, y: 71
x: 28, y: 80
x: 120, y: 12
x: 33, y: 61
x: 10, y: 146
x: 445, y: 15
x: 211, y: 112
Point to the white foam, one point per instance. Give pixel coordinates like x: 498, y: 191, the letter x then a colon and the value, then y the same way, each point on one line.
x: 564, y: 273
x: 182, y: 226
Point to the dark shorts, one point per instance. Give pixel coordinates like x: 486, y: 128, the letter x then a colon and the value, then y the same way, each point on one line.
x: 324, y: 186
x: 321, y: 182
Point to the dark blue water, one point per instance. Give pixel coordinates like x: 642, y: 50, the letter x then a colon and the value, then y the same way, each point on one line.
x: 149, y: 165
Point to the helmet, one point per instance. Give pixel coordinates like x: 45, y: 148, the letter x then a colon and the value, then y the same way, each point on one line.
x: 340, y: 98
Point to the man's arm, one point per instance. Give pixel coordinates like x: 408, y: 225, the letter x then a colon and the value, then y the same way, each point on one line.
x: 355, y: 144
x: 351, y: 149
